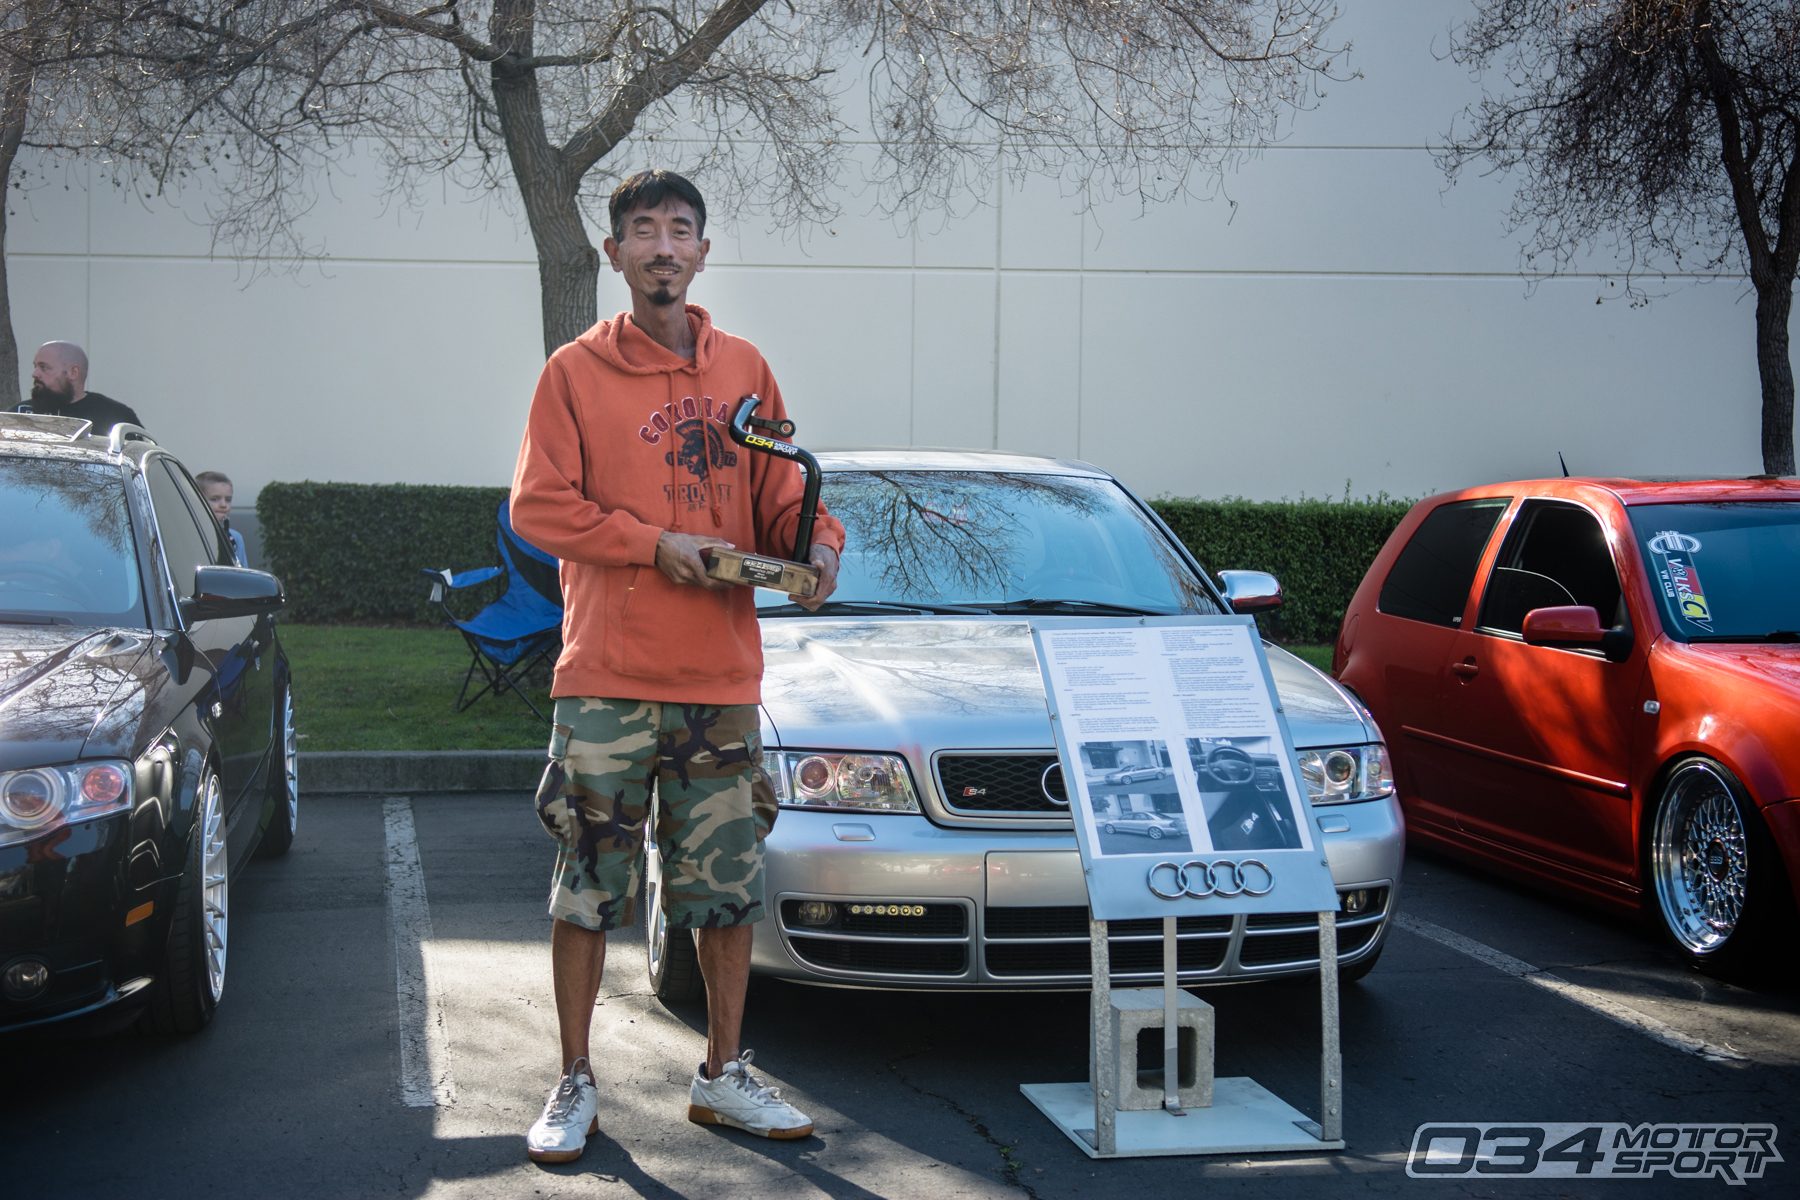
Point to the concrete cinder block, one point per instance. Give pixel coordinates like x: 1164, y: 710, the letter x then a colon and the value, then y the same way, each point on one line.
x: 1139, y: 1085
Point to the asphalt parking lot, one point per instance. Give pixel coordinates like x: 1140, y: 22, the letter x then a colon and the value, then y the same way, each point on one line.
x: 296, y: 1089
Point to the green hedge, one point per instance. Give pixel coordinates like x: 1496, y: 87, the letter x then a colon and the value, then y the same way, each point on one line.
x: 351, y: 552
x: 1319, y: 549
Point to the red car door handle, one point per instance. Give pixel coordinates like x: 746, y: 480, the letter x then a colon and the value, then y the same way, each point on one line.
x: 1466, y: 668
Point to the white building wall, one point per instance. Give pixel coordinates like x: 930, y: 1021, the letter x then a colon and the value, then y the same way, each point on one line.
x: 1349, y: 323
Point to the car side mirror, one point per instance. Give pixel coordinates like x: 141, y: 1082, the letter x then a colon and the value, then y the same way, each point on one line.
x: 232, y: 592
x: 1575, y: 625
x: 1251, y: 591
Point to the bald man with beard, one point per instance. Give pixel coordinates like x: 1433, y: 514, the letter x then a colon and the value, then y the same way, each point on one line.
x: 58, y: 387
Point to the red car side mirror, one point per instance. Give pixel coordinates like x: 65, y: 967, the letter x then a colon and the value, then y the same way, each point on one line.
x: 1569, y: 625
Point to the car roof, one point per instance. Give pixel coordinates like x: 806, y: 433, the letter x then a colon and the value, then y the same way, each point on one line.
x: 931, y: 458
x: 44, y: 435
x: 1643, y: 490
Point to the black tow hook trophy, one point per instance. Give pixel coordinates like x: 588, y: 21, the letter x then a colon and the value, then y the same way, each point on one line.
x: 799, y: 577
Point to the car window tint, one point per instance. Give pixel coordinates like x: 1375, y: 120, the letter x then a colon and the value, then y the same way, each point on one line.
x: 184, y: 546
x: 1430, y: 580
x: 202, y: 512
x: 1556, y: 555
x: 67, y: 554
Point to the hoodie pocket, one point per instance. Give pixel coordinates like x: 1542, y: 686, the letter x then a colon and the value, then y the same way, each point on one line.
x: 676, y: 633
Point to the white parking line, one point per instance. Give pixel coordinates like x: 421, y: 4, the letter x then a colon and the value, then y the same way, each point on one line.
x: 1604, y: 1005
x: 424, y: 1046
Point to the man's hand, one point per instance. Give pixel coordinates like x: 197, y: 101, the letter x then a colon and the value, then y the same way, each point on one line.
x: 678, y: 557
x: 826, y: 560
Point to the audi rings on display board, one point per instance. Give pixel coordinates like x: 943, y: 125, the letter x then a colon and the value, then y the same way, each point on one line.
x: 1202, y: 879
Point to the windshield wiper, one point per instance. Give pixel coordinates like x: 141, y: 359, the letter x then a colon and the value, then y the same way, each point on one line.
x: 1774, y: 635
x: 25, y: 618
x: 832, y: 607
x: 1075, y: 606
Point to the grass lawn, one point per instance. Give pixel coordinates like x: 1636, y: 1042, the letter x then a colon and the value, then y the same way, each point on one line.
x: 357, y: 688
x: 395, y: 689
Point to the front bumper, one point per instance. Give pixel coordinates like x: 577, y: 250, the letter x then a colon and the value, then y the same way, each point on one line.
x: 1007, y: 909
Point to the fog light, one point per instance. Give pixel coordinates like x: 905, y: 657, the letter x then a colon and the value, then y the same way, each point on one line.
x: 1354, y: 902
x: 25, y: 979
x: 817, y: 912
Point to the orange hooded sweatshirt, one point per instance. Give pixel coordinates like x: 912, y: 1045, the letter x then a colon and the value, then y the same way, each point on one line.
x: 625, y: 440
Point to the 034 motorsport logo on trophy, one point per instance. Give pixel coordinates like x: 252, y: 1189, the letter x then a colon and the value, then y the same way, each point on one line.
x: 1185, y: 784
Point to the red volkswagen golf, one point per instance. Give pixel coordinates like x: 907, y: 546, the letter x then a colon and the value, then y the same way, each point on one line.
x: 1594, y: 685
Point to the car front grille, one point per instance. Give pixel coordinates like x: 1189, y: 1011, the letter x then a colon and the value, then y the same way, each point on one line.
x: 1041, y: 946
x: 890, y: 958
x: 1051, y: 943
x: 1002, y: 783
x: 1072, y: 921
x: 1126, y: 958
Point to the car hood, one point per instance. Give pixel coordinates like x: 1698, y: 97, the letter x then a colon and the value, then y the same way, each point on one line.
x: 1775, y: 666
x: 60, y: 686
x: 922, y: 685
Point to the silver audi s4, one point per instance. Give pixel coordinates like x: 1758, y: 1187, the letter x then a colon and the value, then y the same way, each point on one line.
x: 924, y: 838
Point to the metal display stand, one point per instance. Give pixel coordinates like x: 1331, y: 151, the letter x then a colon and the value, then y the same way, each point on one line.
x: 1244, y: 1118
x: 1218, y: 1116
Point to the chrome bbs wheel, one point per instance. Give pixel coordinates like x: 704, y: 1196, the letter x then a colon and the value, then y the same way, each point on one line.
x: 290, y: 759
x: 1700, y: 857
x: 216, y: 914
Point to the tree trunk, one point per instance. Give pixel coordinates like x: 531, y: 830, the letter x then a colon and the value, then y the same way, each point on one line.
x: 1774, y: 304
x: 568, y: 264
x: 14, y: 101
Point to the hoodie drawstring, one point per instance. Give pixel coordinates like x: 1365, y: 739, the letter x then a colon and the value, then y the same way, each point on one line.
x: 712, y: 486
x: 674, y: 407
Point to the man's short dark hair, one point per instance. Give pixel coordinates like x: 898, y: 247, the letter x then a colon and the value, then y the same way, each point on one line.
x: 648, y: 189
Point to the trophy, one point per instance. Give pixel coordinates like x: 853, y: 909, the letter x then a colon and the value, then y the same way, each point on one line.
x: 798, y: 577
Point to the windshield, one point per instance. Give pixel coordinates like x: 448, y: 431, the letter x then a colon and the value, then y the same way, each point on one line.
x: 987, y: 540
x: 1728, y: 571
x: 67, y: 556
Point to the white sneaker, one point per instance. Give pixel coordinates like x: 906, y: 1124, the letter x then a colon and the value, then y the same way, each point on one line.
x: 570, y: 1114
x: 743, y: 1101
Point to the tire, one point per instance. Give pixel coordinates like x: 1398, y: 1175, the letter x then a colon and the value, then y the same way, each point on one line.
x: 284, y: 781
x: 1718, y: 891
x: 187, y: 989
x: 1110, y: 828
x: 1156, y: 835
x: 671, y: 956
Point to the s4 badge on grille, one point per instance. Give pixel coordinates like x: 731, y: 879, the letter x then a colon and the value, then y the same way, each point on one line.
x: 974, y: 791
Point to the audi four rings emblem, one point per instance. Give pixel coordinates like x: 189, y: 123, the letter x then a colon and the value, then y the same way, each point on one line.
x: 1201, y: 879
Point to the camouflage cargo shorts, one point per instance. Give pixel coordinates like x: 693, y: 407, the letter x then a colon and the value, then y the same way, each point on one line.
x: 715, y: 807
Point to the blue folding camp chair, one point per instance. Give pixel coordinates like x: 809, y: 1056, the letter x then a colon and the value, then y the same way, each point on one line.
x: 516, y: 632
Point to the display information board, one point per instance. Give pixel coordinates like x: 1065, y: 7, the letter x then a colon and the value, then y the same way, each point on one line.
x: 1182, y: 778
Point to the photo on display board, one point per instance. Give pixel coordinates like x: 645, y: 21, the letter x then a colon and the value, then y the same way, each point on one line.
x: 1245, y: 793
x: 1133, y: 797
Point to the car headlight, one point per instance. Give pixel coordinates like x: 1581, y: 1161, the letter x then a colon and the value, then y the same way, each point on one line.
x: 820, y: 779
x: 45, y: 798
x: 1341, y: 774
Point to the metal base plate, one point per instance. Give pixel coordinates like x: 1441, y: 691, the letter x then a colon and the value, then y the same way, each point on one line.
x: 1245, y: 1118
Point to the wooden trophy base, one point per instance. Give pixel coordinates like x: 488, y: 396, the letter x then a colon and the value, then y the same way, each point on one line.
x: 758, y: 570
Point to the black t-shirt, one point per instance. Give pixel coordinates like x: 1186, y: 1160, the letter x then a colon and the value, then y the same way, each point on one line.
x: 103, y: 411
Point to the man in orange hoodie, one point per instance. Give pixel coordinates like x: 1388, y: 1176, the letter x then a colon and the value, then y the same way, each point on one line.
x: 627, y: 474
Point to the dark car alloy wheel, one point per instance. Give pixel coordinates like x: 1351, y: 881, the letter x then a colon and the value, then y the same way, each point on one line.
x: 673, y: 959
x: 188, y: 988
x: 284, y: 782
x: 1715, y: 874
